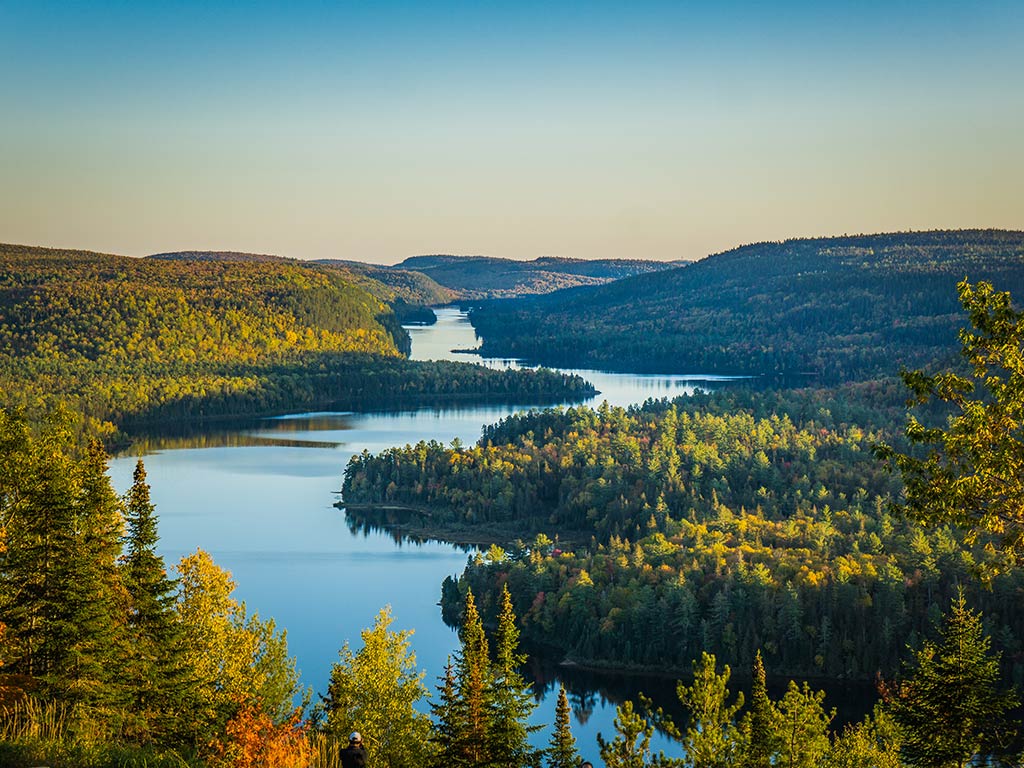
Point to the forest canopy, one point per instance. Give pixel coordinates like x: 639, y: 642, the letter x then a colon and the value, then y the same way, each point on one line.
x: 124, y: 341
x: 806, y: 312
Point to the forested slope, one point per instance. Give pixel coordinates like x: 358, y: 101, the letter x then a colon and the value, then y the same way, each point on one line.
x: 727, y: 523
x: 123, y: 340
x: 475, y: 277
x: 390, y: 285
x: 812, y: 311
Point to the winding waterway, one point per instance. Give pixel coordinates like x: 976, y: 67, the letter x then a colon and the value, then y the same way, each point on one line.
x: 259, y: 500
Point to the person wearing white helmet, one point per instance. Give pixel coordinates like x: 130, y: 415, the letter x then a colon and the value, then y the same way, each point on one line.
x: 354, y: 755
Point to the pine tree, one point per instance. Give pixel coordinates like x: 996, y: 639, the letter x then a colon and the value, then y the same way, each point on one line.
x: 473, y: 669
x: 57, y: 579
x: 803, y: 727
x: 562, y: 749
x: 631, y: 746
x: 449, y: 723
x: 760, y: 725
x: 161, y: 686
x: 950, y: 707
x: 41, y: 606
x: 711, y: 739
x: 95, y: 586
x: 512, y: 698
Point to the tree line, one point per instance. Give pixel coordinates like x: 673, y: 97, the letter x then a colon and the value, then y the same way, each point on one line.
x: 807, y: 312
x: 130, y: 341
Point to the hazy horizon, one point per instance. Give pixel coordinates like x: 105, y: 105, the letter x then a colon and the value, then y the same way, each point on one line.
x: 650, y: 130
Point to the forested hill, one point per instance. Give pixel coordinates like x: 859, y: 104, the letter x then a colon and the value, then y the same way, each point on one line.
x: 816, y: 310
x: 123, y: 340
x: 475, y: 277
x: 397, y: 287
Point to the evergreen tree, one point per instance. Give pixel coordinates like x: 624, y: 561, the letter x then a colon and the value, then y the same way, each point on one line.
x: 971, y: 474
x: 760, y: 725
x: 562, y: 748
x: 711, y: 739
x: 449, y: 728
x: 950, y: 707
x: 473, y: 670
x: 631, y: 746
x: 46, y: 613
x: 803, y: 727
x: 94, y: 584
x: 161, y: 686
x: 512, y: 697
x: 58, y: 581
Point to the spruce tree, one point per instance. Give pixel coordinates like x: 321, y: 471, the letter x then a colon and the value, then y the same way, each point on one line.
x: 157, y: 675
x: 951, y: 708
x: 449, y: 729
x: 512, y: 699
x: 95, y: 586
x: 561, y: 751
x: 42, y: 606
x: 473, y: 669
x: 760, y: 724
x: 58, y: 584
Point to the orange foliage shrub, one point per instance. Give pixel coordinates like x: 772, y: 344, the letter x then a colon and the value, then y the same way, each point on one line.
x: 252, y: 740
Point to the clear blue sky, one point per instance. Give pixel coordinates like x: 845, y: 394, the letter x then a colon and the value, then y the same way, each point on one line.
x: 375, y: 131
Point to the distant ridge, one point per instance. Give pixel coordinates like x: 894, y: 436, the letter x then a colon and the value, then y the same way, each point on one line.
x: 826, y: 310
x: 217, y: 256
x: 396, y: 287
x: 440, y: 279
x: 478, y: 277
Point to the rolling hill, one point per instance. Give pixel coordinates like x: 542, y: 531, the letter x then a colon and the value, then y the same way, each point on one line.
x: 125, y: 341
x: 476, y: 277
x: 823, y: 310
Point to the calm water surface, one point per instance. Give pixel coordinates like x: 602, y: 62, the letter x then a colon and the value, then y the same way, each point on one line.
x: 260, y: 501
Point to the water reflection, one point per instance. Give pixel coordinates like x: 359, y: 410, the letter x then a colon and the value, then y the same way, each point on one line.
x: 258, y: 494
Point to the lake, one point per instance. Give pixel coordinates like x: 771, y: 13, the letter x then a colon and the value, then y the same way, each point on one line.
x: 260, y: 501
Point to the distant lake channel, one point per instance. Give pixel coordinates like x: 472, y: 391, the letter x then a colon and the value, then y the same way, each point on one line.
x: 260, y: 500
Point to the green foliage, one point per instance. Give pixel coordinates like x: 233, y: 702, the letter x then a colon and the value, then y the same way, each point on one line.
x: 484, y: 703
x: 375, y: 691
x: 803, y: 727
x: 760, y: 725
x: 872, y: 743
x: 972, y: 474
x: 131, y: 341
x: 822, y: 310
x: 631, y: 746
x: 728, y: 523
x: 950, y: 707
x: 513, y: 701
x: 159, y: 680
x: 711, y: 739
x: 561, y: 752
x: 58, y: 585
x: 236, y: 658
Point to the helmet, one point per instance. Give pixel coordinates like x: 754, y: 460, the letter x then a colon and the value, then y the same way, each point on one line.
x: 354, y: 736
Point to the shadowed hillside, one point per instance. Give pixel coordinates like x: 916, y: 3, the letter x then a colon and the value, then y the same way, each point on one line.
x: 825, y: 310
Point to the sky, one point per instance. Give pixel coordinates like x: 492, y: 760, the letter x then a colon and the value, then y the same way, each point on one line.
x: 379, y: 130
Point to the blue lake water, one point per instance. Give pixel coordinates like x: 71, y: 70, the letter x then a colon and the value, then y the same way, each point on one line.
x: 260, y: 501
